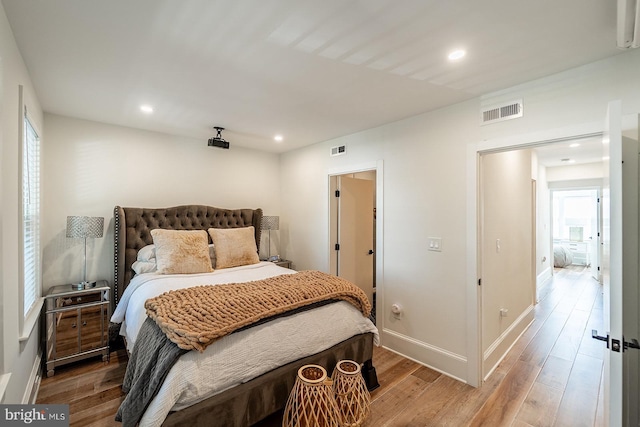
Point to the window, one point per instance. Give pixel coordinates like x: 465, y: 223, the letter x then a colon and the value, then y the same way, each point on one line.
x: 574, y: 213
x: 30, y: 217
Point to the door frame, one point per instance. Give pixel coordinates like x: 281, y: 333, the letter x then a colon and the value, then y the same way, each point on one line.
x: 332, y: 175
x: 474, y: 294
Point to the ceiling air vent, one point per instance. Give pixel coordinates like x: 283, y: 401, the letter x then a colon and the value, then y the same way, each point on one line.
x: 499, y: 113
x: 339, y: 150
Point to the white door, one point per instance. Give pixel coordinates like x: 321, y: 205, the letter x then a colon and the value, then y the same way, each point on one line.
x: 620, y: 270
x: 355, y: 232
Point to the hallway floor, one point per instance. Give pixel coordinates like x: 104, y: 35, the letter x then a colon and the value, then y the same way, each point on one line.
x: 551, y: 377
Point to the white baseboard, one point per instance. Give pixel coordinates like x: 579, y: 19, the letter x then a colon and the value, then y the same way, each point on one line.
x: 543, y: 276
x: 33, y: 384
x: 436, y: 358
x: 501, y: 346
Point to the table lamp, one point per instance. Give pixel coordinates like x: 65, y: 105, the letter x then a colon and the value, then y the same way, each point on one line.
x: 83, y: 227
x: 271, y: 223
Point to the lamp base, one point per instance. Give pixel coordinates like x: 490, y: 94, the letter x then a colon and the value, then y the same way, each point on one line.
x: 83, y: 285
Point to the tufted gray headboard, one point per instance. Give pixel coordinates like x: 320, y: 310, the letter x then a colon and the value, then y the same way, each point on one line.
x: 132, y: 231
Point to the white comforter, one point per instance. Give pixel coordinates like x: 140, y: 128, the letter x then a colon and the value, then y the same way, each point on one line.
x: 239, y: 357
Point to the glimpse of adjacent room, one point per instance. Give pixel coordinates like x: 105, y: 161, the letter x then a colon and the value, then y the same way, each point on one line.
x: 575, y: 228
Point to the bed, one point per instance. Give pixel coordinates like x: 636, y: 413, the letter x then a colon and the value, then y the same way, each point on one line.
x: 246, y: 376
x: 562, y: 256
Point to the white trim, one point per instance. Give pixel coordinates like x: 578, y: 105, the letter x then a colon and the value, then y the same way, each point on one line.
x: 474, y: 294
x: 424, y: 364
x: 4, y: 382
x: 34, y: 382
x: 362, y: 167
x: 509, y: 349
x: 544, y: 276
x: 31, y: 320
x: 505, y: 334
x: 449, y: 363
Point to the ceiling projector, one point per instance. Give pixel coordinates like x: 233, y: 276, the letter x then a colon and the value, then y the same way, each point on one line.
x: 218, y: 141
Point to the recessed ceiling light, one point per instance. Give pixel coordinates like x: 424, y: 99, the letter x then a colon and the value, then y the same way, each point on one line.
x: 278, y: 138
x: 456, y: 54
x: 146, y: 109
x: 574, y: 145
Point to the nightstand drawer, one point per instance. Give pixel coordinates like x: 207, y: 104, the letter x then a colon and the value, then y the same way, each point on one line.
x: 75, y: 300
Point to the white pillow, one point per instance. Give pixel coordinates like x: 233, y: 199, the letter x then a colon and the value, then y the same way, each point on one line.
x: 141, y: 267
x: 147, y: 253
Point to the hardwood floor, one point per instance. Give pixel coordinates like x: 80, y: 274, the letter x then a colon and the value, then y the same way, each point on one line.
x: 551, y: 377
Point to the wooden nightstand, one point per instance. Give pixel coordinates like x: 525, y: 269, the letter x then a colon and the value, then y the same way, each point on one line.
x: 77, y: 324
x: 283, y: 263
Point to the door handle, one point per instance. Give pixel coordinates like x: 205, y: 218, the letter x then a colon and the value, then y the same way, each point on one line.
x: 633, y: 343
x: 370, y: 252
x: 595, y: 336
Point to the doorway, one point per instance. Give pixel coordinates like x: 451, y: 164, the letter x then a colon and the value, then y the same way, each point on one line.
x: 507, y: 293
x: 575, y: 228
x: 353, y: 230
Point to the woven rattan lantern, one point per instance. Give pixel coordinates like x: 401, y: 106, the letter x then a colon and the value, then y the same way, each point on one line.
x: 351, y: 393
x: 311, y: 402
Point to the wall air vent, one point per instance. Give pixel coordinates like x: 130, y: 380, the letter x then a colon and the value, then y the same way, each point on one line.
x: 339, y: 150
x: 499, y: 113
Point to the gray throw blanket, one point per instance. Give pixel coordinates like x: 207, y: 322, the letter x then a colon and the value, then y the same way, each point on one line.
x: 147, y: 368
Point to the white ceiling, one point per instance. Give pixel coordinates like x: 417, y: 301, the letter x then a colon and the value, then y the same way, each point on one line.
x: 311, y: 70
x: 573, y: 152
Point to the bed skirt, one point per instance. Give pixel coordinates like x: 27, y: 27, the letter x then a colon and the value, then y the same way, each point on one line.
x: 248, y: 403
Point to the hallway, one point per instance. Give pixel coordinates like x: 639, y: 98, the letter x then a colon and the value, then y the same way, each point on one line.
x: 551, y: 377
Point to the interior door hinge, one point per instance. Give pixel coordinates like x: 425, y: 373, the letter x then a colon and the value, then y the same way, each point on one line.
x: 479, y: 282
x: 337, y: 193
x: 337, y: 246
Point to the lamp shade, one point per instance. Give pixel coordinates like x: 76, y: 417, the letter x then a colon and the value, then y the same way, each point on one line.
x: 85, y: 226
x: 270, y: 223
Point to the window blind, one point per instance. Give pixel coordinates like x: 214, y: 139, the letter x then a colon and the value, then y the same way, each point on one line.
x: 30, y: 215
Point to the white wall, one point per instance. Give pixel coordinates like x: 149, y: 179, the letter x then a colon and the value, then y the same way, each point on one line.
x: 589, y: 171
x: 16, y: 357
x: 506, y: 229
x: 91, y: 167
x: 425, y: 195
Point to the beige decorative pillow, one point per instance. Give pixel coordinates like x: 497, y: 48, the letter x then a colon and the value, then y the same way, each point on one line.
x: 234, y: 246
x: 181, y: 251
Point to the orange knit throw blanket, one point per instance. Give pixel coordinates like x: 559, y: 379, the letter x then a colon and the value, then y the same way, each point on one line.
x: 194, y: 318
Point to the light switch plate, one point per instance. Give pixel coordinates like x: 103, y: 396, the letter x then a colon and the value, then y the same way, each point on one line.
x: 434, y: 244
